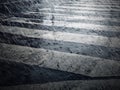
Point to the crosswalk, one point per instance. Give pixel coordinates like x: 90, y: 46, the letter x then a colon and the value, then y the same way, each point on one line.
x: 81, y: 37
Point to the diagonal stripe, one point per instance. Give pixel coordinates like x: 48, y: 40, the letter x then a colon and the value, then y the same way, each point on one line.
x: 70, y: 25
x: 63, y: 29
x: 103, y: 21
x: 34, y: 74
x: 93, y: 6
x: 40, y: 15
x: 60, y: 16
x: 64, y: 36
x: 85, y: 8
x: 62, y: 46
x: 80, y: 64
x: 79, y: 12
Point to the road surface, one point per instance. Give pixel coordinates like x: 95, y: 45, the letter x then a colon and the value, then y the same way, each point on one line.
x: 60, y: 45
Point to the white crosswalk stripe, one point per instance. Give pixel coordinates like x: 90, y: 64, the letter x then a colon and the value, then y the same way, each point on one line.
x: 69, y: 17
x: 63, y: 36
x: 66, y: 61
x: 79, y: 25
x: 85, y: 8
